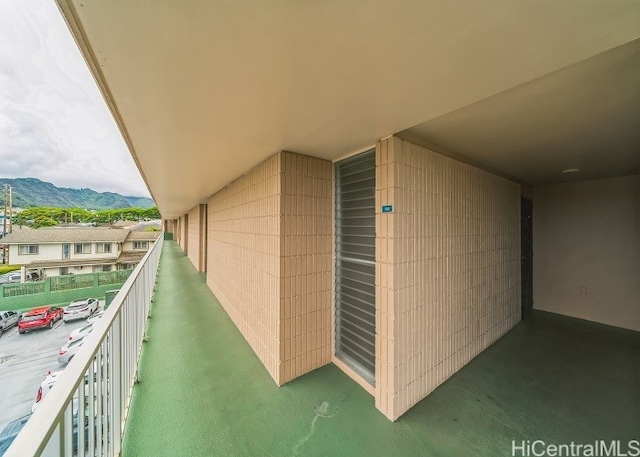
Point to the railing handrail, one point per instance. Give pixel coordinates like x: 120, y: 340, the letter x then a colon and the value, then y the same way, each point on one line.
x: 38, y: 430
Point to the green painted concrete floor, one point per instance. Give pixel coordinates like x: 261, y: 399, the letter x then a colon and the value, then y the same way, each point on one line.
x: 203, y: 392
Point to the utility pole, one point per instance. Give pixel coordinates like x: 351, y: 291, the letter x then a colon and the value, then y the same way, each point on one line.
x: 10, y: 209
x: 4, y: 221
x: 5, y: 200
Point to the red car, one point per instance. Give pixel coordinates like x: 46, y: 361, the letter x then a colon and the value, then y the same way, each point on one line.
x: 40, y: 318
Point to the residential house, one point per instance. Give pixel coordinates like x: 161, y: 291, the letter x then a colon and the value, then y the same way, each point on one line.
x: 63, y: 251
x: 135, y: 246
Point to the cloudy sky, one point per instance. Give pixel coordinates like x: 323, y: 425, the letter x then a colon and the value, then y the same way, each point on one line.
x: 54, y: 124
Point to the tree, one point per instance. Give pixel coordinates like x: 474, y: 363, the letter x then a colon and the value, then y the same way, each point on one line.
x: 44, y: 221
x: 45, y: 216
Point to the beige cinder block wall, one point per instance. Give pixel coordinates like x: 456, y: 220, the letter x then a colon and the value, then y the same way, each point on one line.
x: 448, y: 271
x: 193, y: 234
x: 586, y: 242
x: 170, y: 226
x: 203, y: 238
x: 306, y: 264
x: 183, y: 226
x: 177, y: 234
x: 197, y: 236
x: 269, y: 261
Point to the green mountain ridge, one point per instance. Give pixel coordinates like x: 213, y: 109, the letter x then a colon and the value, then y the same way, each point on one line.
x: 30, y: 192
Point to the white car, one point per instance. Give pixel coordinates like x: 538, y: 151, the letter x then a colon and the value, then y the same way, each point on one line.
x: 80, y: 309
x: 45, y: 387
x: 80, y: 333
x: 70, y: 349
x: 14, y: 277
x: 95, y: 317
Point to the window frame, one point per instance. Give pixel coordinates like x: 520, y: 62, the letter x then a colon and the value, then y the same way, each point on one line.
x: 82, y: 251
x: 28, y: 246
x: 100, y: 248
x: 144, y: 244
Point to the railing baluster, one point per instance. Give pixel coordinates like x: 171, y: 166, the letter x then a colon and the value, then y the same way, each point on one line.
x: 97, y: 385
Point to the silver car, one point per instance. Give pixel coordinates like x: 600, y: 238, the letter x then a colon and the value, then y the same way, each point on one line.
x: 8, y: 319
x: 14, y: 277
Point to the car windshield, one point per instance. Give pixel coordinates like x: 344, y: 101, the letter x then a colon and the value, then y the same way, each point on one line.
x: 33, y: 317
x: 76, y: 342
x: 14, y: 427
x: 77, y: 305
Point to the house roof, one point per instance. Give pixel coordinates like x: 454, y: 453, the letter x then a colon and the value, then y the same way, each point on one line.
x: 65, y: 235
x: 70, y: 263
x: 124, y: 224
x: 148, y: 236
x: 131, y: 256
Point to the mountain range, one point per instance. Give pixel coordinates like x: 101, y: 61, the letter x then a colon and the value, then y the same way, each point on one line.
x: 29, y: 192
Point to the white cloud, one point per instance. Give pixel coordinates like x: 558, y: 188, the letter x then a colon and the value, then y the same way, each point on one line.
x: 54, y: 124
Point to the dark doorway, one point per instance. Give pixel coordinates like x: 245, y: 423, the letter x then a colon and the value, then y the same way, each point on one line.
x: 526, y: 243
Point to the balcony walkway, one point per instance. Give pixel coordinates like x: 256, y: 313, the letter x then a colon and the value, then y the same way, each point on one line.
x: 203, y: 392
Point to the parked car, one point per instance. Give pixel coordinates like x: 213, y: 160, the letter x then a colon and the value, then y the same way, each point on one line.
x: 95, y: 317
x: 45, y: 386
x: 80, y: 309
x: 70, y: 349
x: 10, y: 278
x: 37, y: 318
x: 9, y: 433
x: 14, y: 277
x: 8, y: 319
x: 80, y: 333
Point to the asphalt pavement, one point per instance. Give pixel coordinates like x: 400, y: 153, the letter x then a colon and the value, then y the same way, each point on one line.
x: 24, y: 362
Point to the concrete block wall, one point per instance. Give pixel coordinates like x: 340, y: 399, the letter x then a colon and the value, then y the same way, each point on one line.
x: 183, y: 230
x: 196, y: 231
x: 269, y: 261
x: 448, y: 272
x: 243, y: 268
x: 177, y: 234
x: 193, y: 234
x: 170, y: 226
x: 306, y: 264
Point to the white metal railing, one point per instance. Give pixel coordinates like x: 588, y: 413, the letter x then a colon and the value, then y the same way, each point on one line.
x: 86, y: 410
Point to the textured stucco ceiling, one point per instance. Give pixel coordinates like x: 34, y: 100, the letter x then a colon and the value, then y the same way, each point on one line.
x: 204, y: 90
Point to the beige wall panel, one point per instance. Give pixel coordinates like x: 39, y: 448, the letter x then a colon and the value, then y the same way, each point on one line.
x: 448, y: 276
x: 170, y: 226
x: 182, y: 232
x: 243, y: 268
x: 193, y: 235
x: 586, y: 243
x: 269, y: 261
x: 306, y: 264
x: 176, y: 231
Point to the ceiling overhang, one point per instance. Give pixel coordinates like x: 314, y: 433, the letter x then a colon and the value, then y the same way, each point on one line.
x: 203, y: 91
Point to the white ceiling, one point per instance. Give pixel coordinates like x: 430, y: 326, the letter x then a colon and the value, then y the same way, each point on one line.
x: 585, y: 116
x: 204, y: 90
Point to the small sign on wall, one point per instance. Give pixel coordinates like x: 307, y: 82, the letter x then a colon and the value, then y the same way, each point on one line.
x: 387, y: 208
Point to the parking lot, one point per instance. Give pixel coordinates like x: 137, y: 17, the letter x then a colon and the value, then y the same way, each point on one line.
x: 24, y: 362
